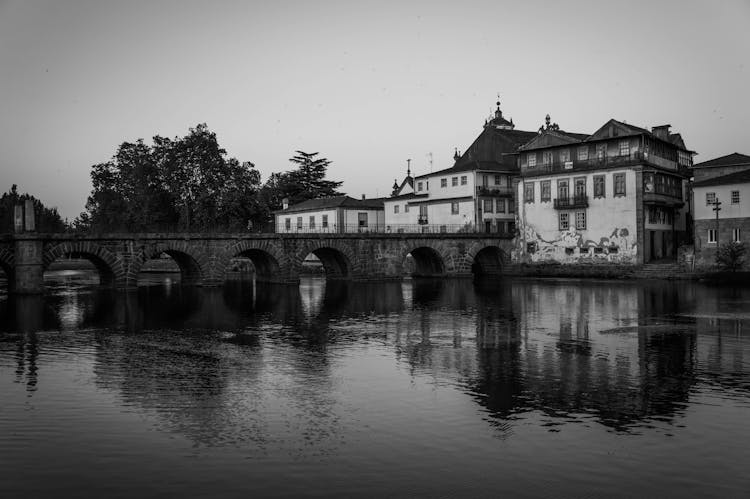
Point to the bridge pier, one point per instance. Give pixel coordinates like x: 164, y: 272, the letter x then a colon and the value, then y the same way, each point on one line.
x: 29, y: 266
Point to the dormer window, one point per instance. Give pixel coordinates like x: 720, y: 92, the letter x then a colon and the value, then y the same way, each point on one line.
x: 419, y: 186
x: 531, y: 159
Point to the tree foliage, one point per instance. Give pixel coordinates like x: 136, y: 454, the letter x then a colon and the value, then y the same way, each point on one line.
x: 731, y: 256
x: 47, y: 219
x: 305, y: 182
x: 180, y: 183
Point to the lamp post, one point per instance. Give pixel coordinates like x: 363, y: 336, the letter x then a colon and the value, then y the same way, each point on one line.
x: 717, y: 209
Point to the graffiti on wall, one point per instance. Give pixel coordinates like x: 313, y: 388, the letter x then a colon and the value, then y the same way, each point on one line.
x: 620, y: 246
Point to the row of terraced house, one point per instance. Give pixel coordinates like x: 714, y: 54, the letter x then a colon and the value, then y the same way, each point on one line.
x: 622, y: 194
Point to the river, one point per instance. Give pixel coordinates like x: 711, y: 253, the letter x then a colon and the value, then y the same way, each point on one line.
x: 435, y: 388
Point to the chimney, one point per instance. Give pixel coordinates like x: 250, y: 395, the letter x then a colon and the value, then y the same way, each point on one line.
x: 285, y: 203
x: 661, y: 132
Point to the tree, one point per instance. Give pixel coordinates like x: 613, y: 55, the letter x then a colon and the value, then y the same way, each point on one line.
x: 183, y: 183
x: 731, y: 256
x: 306, y: 182
x: 47, y: 219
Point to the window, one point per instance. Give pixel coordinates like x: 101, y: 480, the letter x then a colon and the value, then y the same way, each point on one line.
x: 735, y: 197
x: 406, y: 208
x: 619, y: 182
x: 531, y: 159
x: 710, y: 198
x: 712, y: 235
x: 395, y: 208
x: 599, y: 186
x: 545, y: 188
x: 362, y: 218
x: 511, y: 227
x: 443, y: 182
x: 324, y: 221
x: 454, y: 208
x: 312, y: 221
x: 564, y: 221
x: 500, y: 206
x: 288, y: 224
x: 498, y: 180
x: 580, y: 187
x: 583, y: 153
x: 454, y: 181
x: 624, y: 148
x: 601, y: 151
x: 736, y: 235
x: 463, y: 179
x: 528, y: 192
x: 564, y: 155
x: 299, y: 223
x: 511, y: 206
x: 581, y: 220
x: 562, y: 189
x: 546, y: 158
x: 488, y: 206
x: 419, y: 186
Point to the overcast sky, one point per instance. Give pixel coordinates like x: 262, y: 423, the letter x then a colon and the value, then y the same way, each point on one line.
x: 367, y: 84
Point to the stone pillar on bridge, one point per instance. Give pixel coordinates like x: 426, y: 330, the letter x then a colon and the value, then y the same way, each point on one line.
x: 29, y: 263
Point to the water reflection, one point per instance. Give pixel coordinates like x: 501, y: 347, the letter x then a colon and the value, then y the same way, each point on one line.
x: 204, y: 360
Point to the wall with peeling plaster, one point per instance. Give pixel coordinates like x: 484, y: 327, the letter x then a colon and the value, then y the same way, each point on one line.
x: 610, y: 235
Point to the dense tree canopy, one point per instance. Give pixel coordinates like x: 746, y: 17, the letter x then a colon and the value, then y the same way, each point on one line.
x: 180, y: 183
x: 306, y: 182
x: 47, y: 219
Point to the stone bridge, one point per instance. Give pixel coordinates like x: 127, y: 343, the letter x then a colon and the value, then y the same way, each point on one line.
x: 204, y: 259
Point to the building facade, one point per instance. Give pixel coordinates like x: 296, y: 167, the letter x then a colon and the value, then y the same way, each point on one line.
x: 721, y: 205
x: 339, y: 214
x: 618, y: 195
x: 476, y: 194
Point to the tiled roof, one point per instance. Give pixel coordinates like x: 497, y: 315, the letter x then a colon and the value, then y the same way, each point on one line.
x: 411, y: 195
x: 729, y: 160
x: 334, y: 202
x: 741, y: 177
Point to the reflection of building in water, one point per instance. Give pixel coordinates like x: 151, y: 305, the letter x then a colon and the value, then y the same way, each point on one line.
x: 312, y: 291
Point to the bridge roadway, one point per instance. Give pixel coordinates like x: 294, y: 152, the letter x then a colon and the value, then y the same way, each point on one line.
x: 204, y: 258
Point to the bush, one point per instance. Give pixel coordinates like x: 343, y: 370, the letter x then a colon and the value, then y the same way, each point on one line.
x: 731, y: 256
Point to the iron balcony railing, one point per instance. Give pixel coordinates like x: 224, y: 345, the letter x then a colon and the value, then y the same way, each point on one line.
x: 593, y: 162
x: 578, y: 201
x: 422, y: 220
x: 400, y: 229
x: 497, y: 191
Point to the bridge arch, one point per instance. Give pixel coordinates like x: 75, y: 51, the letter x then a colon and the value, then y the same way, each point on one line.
x: 427, y: 260
x: 270, y: 261
x: 109, y: 267
x: 192, y: 262
x: 7, y: 264
x: 338, y: 258
x: 486, y: 260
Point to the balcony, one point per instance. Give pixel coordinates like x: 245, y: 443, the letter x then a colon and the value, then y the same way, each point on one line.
x: 422, y: 220
x: 571, y: 203
x: 598, y: 162
x: 496, y: 191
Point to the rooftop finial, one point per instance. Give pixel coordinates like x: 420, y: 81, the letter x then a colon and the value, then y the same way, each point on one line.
x: 547, y: 120
x: 455, y: 154
x: 408, y: 167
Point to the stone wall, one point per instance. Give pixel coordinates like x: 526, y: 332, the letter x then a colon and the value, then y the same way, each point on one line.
x: 705, y: 252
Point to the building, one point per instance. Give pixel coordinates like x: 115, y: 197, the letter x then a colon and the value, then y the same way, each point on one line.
x: 724, y: 184
x: 476, y: 193
x: 338, y: 214
x: 617, y: 195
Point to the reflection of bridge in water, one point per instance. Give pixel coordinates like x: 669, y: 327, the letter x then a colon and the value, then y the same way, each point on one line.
x: 204, y: 259
x: 624, y: 353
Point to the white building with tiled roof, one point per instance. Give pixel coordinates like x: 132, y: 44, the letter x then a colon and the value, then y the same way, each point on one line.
x: 338, y: 214
x: 475, y: 194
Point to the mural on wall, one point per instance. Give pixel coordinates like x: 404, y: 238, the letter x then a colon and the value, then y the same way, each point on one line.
x: 570, y: 247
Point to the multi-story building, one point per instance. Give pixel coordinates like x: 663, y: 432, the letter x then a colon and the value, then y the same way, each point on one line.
x: 617, y: 195
x: 338, y: 214
x: 721, y: 204
x: 475, y: 194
